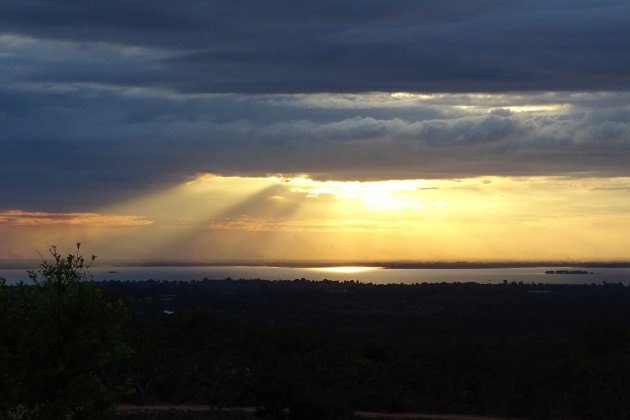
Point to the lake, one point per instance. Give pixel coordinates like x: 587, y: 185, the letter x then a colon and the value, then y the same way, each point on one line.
x: 363, y: 274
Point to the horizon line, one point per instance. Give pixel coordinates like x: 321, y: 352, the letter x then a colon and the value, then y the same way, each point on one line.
x: 323, y: 263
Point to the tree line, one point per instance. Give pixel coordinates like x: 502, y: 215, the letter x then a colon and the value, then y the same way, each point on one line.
x: 302, y: 349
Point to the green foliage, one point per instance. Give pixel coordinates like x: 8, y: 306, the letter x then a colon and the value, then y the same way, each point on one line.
x: 60, y: 272
x: 66, y: 344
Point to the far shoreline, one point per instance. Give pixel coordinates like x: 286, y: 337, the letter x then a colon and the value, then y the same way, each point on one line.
x: 383, y: 264
x: 399, y: 265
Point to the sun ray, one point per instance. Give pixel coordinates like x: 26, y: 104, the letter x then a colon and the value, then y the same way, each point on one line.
x: 216, y: 217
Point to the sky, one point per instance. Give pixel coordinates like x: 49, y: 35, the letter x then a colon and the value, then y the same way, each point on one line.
x: 354, y: 130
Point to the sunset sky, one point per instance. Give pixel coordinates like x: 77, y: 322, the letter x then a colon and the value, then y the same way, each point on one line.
x: 316, y: 130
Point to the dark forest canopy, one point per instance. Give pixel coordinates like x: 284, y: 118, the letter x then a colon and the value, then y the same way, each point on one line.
x: 324, y: 349
x: 312, y: 350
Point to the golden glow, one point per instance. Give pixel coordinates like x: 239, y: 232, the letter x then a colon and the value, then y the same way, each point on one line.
x: 379, y: 195
x: 38, y: 218
x: 277, y: 217
x: 540, y: 108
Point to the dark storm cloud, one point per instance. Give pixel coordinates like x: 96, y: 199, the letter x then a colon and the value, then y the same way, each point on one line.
x: 340, y: 46
x: 80, y: 147
x: 102, y: 101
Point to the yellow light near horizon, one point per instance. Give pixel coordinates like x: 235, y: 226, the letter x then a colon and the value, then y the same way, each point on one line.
x: 392, y: 195
x: 206, y: 180
x: 215, y: 217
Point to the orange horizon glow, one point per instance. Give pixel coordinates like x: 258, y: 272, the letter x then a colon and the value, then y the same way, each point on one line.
x: 213, y: 217
x: 36, y: 218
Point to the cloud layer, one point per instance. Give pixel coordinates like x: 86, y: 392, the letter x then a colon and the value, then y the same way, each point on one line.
x: 334, y: 45
x: 100, y: 102
x: 85, y: 146
x: 31, y: 218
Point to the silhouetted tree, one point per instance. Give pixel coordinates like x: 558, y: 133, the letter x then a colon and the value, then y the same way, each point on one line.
x: 6, y: 388
x: 65, y: 345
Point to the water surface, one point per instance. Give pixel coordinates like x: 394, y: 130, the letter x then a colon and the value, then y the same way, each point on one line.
x: 364, y: 274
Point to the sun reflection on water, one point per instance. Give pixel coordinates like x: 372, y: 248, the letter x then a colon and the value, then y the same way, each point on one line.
x: 346, y: 269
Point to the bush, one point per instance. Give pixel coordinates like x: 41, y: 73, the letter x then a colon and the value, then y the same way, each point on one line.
x: 64, y: 343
